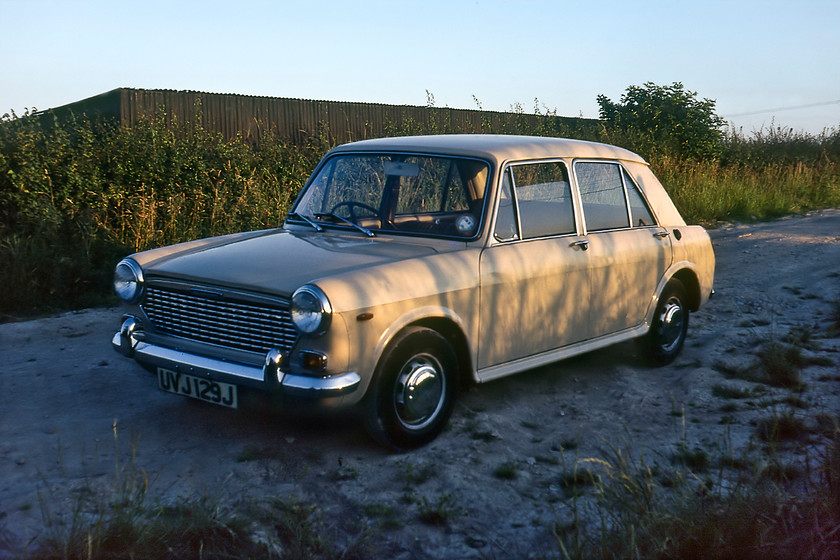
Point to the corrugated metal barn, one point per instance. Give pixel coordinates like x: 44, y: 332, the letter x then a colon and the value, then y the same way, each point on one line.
x: 298, y: 119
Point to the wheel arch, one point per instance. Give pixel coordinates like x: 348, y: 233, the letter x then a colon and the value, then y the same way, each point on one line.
x: 456, y: 337
x: 691, y: 283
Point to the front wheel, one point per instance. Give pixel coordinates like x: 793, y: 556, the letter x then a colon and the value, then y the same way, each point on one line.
x: 670, y: 324
x: 413, y: 389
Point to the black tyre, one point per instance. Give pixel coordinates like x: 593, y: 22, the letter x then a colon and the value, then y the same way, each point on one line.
x: 670, y: 324
x: 414, y: 389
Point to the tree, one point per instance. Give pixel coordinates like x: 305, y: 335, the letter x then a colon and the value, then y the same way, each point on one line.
x: 665, y: 118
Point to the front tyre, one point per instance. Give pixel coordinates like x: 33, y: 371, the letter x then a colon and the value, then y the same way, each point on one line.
x: 670, y: 324
x: 413, y: 389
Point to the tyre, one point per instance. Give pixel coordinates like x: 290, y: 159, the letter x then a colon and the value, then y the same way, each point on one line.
x: 413, y: 389
x: 670, y: 324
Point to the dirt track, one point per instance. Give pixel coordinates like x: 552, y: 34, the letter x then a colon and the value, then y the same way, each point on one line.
x: 66, y: 394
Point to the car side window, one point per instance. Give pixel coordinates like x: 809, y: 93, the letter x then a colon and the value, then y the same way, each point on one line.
x: 544, y: 199
x: 602, y: 195
x: 506, y: 229
x: 640, y: 215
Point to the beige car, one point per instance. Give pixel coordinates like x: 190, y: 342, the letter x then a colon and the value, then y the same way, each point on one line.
x: 409, y: 266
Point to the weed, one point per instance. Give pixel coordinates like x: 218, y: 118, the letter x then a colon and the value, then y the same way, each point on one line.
x: 782, y: 365
x: 547, y: 459
x: 782, y: 427
x: 440, y: 512
x: 696, y: 459
x: 565, y: 445
x: 412, y: 474
x: 343, y: 473
x: 119, y: 523
x: 389, y: 517
x: 577, y: 481
x: 777, y: 471
x: 506, y: 471
x: 303, y: 533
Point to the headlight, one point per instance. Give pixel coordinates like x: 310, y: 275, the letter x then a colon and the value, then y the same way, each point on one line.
x: 311, y: 311
x: 128, y: 280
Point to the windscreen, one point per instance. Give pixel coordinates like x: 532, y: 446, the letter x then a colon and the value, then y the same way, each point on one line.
x: 413, y: 194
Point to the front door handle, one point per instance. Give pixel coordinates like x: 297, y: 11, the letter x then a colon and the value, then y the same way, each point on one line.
x: 583, y: 244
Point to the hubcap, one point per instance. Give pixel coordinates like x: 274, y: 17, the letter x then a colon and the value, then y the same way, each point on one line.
x: 671, y: 325
x: 419, y: 392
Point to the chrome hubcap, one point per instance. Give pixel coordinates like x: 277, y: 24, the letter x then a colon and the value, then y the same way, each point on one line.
x: 671, y: 325
x: 419, y: 391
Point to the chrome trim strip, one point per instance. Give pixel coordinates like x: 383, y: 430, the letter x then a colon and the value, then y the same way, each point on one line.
x: 145, y: 352
x: 502, y: 370
x: 322, y: 386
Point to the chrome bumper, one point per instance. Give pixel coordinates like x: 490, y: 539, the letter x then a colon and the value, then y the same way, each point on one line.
x: 268, y: 377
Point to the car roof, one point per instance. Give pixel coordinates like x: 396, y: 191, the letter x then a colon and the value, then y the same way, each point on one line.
x: 495, y: 147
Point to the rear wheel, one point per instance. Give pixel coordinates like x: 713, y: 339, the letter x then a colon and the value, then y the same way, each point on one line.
x: 414, y: 389
x: 670, y: 324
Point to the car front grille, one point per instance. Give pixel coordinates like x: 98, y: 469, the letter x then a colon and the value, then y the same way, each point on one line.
x: 240, y: 325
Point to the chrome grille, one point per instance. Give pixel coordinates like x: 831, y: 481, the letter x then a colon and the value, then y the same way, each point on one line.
x: 231, y: 324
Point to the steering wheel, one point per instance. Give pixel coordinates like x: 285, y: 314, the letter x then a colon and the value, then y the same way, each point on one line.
x: 351, y: 204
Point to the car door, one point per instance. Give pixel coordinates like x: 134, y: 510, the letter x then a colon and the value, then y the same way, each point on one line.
x: 533, y: 276
x: 628, y: 252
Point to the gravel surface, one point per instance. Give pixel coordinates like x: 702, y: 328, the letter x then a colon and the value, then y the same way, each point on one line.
x: 73, y: 414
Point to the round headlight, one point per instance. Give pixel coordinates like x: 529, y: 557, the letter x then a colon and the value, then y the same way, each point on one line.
x: 310, y: 310
x: 128, y: 280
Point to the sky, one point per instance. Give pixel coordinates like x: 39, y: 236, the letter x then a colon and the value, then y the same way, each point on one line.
x: 764, y: 63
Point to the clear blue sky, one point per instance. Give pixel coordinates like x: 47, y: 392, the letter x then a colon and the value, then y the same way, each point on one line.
x: 770, y: 58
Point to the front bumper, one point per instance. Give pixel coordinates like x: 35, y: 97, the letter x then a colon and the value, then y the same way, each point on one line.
x: 269, y: 377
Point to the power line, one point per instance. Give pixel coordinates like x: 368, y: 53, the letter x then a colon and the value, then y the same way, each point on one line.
x: 789, y: 108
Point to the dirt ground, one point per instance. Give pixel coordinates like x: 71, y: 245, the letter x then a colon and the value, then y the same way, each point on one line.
x: 73, y: 412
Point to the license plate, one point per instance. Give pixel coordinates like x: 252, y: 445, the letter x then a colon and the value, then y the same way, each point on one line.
x: 215, y: 392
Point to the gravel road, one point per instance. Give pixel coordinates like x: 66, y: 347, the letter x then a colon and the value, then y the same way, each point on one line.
x: 73, y: 413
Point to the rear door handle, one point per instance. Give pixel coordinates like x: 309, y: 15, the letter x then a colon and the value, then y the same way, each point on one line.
x: 662, y: 234
x: 583, y: 244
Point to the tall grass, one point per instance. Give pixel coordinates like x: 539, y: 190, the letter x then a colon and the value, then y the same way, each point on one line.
x: 76, y: 195
x: 707, y: 192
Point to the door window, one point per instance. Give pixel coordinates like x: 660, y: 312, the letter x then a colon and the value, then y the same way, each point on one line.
x: 602, y: 195
x: 544, y: 199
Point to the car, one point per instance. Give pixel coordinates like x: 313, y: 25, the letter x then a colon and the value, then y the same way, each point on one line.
x: 408, y: 267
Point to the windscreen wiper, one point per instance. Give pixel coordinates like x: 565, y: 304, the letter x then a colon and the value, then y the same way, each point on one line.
x: 307, y: 220
x: 333, y: 216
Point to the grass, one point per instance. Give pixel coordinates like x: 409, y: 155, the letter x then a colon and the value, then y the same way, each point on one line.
x: 438, y: 512
x: 700, y: 504
x: 779, y: 427
x: 782, y: 365
x: 644, y: 512
x: 117, y: 520
x: 506, y: 471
